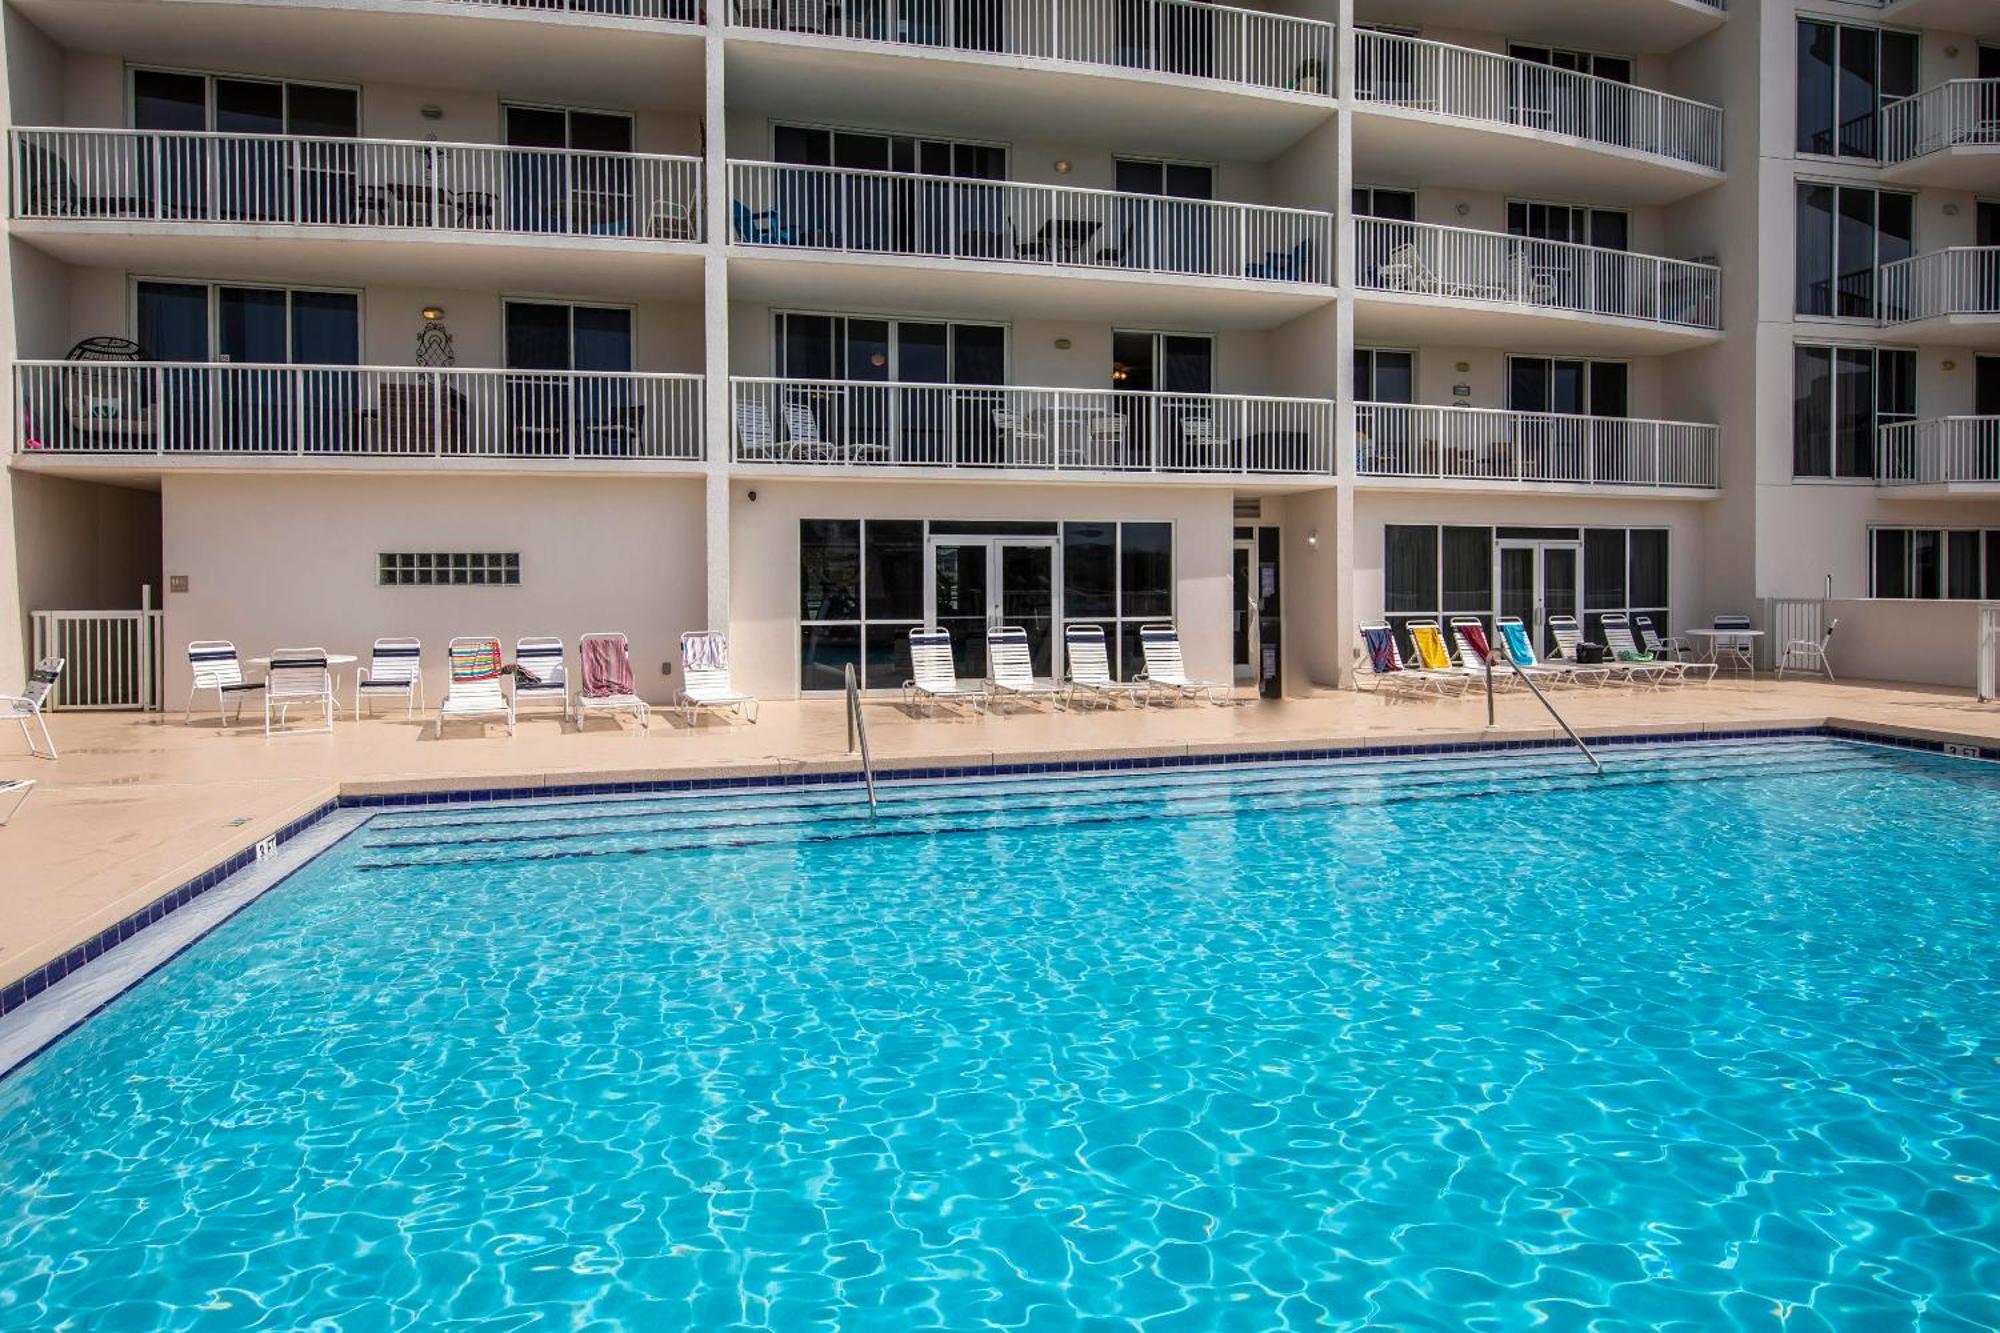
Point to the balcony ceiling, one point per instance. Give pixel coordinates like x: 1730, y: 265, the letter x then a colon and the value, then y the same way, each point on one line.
x: 1398, y: 147
x: 1977, y: 18
x: 365, y: 257
x: 1007, y: 97
x: 1976, y: 333
x: 1503, y: 486
x: 528, y: 54
x: 1642, y: 27
x: 1396, y: 319
x: 1971, y: 167
x: 891, y: 284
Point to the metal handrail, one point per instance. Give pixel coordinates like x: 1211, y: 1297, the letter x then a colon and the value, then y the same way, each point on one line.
x: 1576, y: 740
x: 857, y: 731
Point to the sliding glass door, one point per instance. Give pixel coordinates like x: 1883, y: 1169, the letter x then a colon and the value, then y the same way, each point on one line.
x: 978, y: 584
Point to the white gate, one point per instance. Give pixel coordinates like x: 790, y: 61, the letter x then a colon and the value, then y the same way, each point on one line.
x: 1989, y: 652
x: 1790, y: 620
x: 111, y: 659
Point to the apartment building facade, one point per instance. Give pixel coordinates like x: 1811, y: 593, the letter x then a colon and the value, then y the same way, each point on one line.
x: 818, y: 322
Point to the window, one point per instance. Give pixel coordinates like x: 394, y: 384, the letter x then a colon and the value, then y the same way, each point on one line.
x: 832, y: 362
x: 1571, y: 388
x: 1382, y: 376
x: 1845, y: 235
x: 1846, y: 75
x: 1930, y: 563
x: 1841, y: 398
x: 1606, y: 228
x: 436, y: 569
x: 1119, y: 576
x: 1435, y: 573
x: 1394, y: 205
x: 869, y: 150
x: 1624, y: 570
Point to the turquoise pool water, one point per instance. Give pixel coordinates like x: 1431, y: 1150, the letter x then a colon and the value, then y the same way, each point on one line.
x: 1412, y: 1044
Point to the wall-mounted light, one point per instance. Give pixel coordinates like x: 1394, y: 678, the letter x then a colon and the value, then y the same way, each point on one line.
x: 431, y: 111
x: 1950, y: 366
x: 1464, y: 209
x: 1465, y: 367
x: 1064, y: 344
x: 1951, y: 210
x: 433, y: 313
x: 1062, y: 167
x: 1951, y: 53
x: 1312, y: 539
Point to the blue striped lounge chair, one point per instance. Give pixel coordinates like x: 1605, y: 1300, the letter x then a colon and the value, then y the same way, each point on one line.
x: 298, y: 678
x: 29, y: 705
x: 212, y: 665
x: 542, y: 658
x: 394, y: 670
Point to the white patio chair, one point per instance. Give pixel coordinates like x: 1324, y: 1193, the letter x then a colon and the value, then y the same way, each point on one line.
x: 1106, y: 448
x: 1380, y: 664
x: 1738, y: 652
x: 542, y: 658
x: 705, y: 679
x: 15, y: 791
x: 1407, y: 270
x: 298, y: 678
x: 1166, y: 671
x: 1473, y: 655
x: 756, y: 441
x: 1019, y: 446
x: 802, y: 430
x: 473, y: 684
x: 1637, y: 663
x: 27, y: 706
x: 1514, y: 644
x: 607, y: 681
x: 1806, y: 655
x: 1671, y: 650
x: 1090, y: 668
x: 1203, y: 445
x: 395, y: 668
x: 935, y: 675
x: 1011, y: 667
x: 212, y: 665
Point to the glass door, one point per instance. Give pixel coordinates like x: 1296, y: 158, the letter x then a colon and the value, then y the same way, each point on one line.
x: 1243, y: 571
x: 1533, y: 581
x: 961, y: 599
x: 1025, y: 595
x: 977, y: 584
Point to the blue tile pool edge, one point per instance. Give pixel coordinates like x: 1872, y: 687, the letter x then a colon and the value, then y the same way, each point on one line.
x: 19, y: 992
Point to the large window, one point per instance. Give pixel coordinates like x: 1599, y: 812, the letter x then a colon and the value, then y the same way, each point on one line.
x: 1841, y: 398
x: 1624, y: 569
x: 1120, y: 576
x: 1932, y: 563
x: 1846, y: 75
x: 1845, y: 235
x: 1435, y: 573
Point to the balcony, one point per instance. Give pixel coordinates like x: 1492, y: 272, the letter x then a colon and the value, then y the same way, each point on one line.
x: 1946, y: 136
x: 1476, y: 448
x: 998, y: 231
x: 1431, y: 112
x: 207, y: 414
x: 1639, y: 27
x: 138, y: 199
x: 1945, y: 456
x: 1421, y: 282
x: 1154, y: 76
x: 1948, y: 296
x: 930, y: 429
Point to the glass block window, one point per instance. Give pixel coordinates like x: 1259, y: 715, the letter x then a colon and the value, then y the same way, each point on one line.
x: 437, y: 569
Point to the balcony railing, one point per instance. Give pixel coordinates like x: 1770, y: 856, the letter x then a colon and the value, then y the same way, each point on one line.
x: 964, y: 426
x: 327, y: 412
x: 1961, y: 113
x: 1485, y: 444
x: 1176, y: 37
x: 670, y: 11
x: 1467, y: 265
x: 1961, y: 281
x: 1938, y: 452
x: 944, y: 217
x: 262, y: 179
x: 1465, y: 84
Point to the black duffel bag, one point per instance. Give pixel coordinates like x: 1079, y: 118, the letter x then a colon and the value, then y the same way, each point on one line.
x: 1592, y: 654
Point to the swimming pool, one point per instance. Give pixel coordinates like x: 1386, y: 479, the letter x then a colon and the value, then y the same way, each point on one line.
x: 1422, y: 1043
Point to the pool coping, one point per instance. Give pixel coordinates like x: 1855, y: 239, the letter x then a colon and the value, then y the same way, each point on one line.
x: 39, y: 1008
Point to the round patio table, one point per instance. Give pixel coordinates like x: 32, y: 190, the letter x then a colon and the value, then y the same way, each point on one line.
x: 1712, y: 635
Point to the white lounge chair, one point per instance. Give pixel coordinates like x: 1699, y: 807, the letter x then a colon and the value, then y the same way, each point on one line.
x: 1805, y: 655
x: 542, y: 658
x: 1515, y: 644
x: 705, y: 681
x: 15, y: 791
x: 756, y: 441
x: 27, y: 706
x: 1671, y: 650
x: 395, y: 668
x: 607, y: 683
x: 1435, y: 655
x: 1380, y: 665
x: 1166, y: 670
x: 298, y: 678
x: 473, y: 687
x: 802, y: 430
x: 935, y: 675
x: 212, y: 665
x: 1011, y: 667
x: 1640, y: 665
x: 1090, y: 668
x: 1473, y: 656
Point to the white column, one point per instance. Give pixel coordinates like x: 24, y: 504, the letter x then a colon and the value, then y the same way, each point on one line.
x: 1343, y: 367
x: 715, y: 324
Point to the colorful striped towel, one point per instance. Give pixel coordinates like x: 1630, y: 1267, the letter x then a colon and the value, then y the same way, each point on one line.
x: 707, y: 651
x: 1381, y: 649
x: 607, y: 667
x: 479, y: 660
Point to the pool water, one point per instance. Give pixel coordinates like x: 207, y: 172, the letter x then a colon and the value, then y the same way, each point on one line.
x: 1423, y: 1043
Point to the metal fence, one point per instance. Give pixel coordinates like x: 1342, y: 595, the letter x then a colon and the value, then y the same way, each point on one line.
x: 1412, y: 74
x: 1938, y: 451
x: 1963, y: 280
x: 1486, y: 444
x: 885, y: 212
x: 840, y: 423
x: 78, y: 407
x: 111, y: 659
x: 1960, y: 113
x: 1176, y: 37
x: 263, y: 179
x: 1469, y: 265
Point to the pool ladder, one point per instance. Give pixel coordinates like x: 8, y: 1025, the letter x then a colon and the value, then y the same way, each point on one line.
x: 857, y: 735
x: 1528, y: 680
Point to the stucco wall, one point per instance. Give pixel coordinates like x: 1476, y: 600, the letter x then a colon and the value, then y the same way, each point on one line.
x: 1923, y: 643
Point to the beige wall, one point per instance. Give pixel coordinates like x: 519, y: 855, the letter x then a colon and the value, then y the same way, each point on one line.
x: 1926, y: 643
x: 290, y: 561
x: 764, y: 539
x: 84, y: 546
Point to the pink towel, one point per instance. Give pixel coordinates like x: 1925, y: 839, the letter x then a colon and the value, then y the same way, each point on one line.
x: 607, y: 668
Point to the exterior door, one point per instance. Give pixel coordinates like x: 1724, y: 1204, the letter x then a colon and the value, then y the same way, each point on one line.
x: 977, y: 584
x: 1243, y: 568
x: 1025, y: 595
x: 1533, y: 581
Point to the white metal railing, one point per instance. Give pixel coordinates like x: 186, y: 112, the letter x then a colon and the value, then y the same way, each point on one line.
x: 1412, y: 74
x: 1964, y: 280
x: 1176, y: 37
x: 1961, y: 113
x: 1989, y: 653
x: 670, y: 11
x: 845, y: 423
x: 1792, y: 620
x: 886, y: 212
x: 1469, y: 265
x: 1488, y: 444
x: 149, y: 175
x: 97, y: 407
x: 1938, y: 451
x: 111, y: 659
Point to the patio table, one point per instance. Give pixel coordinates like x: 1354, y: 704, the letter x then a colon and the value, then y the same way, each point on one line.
x: 1712, y: 635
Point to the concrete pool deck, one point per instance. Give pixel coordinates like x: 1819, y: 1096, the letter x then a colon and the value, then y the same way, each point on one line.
x: 139, y: 804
